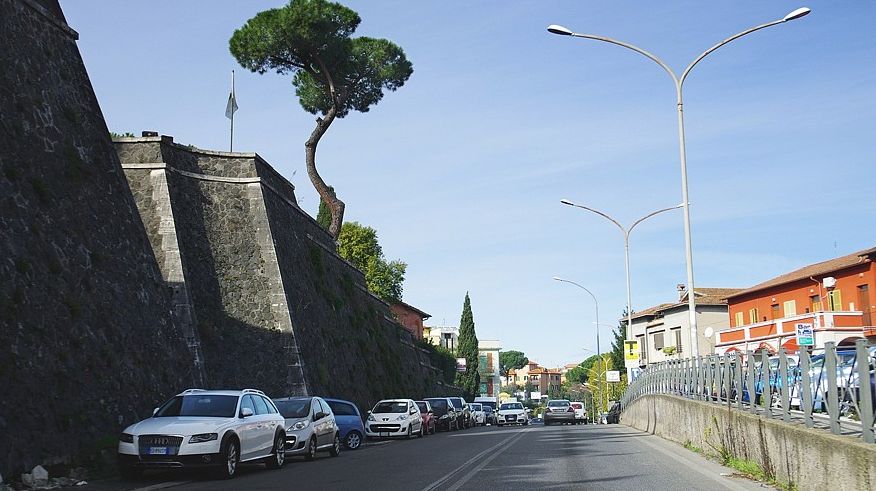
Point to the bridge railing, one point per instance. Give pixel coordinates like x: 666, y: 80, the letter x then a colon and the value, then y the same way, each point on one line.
x: 830, y: 388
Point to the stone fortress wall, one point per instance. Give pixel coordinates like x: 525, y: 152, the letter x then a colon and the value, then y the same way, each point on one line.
x: 126, y: 281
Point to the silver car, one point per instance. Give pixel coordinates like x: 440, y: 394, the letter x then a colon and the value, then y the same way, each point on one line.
x: 559, y: 411
x: 310, y: 426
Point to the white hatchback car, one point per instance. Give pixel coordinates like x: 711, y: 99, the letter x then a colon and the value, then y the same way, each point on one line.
x: 394, y: 417
x: 478, y: 415
x: 198, y: 428
x: 511, y: 413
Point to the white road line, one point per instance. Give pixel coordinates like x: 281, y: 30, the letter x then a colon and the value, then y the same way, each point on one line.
x: 483, y: 464
x: 163, y: 485
x: 465, y: 464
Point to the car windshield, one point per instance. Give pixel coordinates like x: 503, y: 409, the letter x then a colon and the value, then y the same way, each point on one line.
x: 457, y: 401
x: 489, y: 405
x: 475, y: 406
x: 438, y: 404
x: 390, y: 407
x: 558, y: 404
x: 422, y: 406
x: 294, y: 408
x: 211, y: 406
x: 511, y: 405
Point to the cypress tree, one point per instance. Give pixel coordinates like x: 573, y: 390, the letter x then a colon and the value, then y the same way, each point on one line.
x: 470, y: 380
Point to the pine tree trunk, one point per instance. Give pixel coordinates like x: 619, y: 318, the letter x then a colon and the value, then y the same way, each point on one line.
x: 335, y: 205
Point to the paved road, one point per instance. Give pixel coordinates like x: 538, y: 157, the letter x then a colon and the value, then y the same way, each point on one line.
x: 534, y: 457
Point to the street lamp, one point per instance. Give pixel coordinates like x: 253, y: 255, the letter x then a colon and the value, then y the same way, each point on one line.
x: 598, y: 347
x: 679, y: 82
x: 626, y: 231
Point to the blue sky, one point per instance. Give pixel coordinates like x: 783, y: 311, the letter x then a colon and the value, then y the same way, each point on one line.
x: 462, y: 169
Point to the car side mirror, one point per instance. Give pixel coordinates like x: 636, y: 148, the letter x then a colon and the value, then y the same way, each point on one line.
x: 431, y: 412
x: 369, y: 411
x: 154, y: 411
x: 245, y: 412
x: 318, y: 416
x: 413, y: 411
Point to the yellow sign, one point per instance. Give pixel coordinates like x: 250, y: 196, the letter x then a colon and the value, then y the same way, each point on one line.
x: 631, y: 350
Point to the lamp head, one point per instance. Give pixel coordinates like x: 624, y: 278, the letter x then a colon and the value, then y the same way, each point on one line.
x: 558, y: 278
x: 796, y: 14
x: 567, y: 202
x: 565, y: 31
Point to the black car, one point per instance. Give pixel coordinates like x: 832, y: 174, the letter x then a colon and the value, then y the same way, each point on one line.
x: 463, y: 412
x: 444, y: 413
x: 613, y: 415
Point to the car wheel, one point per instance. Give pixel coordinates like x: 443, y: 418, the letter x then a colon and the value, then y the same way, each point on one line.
x: 230, y: 459
x: 432, y: 429
x: 311, y: 449
x: 410, y: 433
x: 336, y: 446
x: 130, y: 471
x: 278, y: 457
x: 353, y: 440
x: 422, y: 432
x: 499, y: 425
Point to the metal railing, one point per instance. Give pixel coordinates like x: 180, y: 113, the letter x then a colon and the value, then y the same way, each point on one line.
x: 831, y: 388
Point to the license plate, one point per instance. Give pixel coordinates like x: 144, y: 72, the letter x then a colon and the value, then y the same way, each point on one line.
x: 384, y: 433
x: 158, y: 451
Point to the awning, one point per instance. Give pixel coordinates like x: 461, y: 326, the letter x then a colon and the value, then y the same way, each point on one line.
x: 766, y: 346
x: 791, y: 345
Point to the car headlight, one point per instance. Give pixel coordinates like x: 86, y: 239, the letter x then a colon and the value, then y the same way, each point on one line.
x: 300, y: 425
x: 126, y: 437
x: 402, y: 417
x: 203, y: 437
x: 444, y: 416
x: 371, y: 417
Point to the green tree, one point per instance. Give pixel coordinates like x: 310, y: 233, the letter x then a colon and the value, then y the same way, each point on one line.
x: 470, y: 380
x: 332, y: 72
x: 358, y: 244
x: 604, y: 391
x: 511, y: 359
x: 580, y: 373
x: 324, y: 217
x: 617, y: 344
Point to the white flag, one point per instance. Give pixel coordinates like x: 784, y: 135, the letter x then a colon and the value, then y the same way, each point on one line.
x: 231, y: 108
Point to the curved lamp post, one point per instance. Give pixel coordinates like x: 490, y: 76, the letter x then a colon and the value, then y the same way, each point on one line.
x: 598, y: 346
x: 626, y: 231
x: 679, y: 82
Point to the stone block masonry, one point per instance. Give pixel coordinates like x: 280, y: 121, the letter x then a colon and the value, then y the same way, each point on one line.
x: 87, y: 341
x: 273, y: 304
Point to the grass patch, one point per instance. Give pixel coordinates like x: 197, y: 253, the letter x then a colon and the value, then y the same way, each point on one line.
x: 754, y: 471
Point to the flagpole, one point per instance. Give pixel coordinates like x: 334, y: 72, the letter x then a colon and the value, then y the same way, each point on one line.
x: 231, y: 144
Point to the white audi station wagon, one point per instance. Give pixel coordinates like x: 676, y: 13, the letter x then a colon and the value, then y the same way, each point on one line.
x: 206, y: 428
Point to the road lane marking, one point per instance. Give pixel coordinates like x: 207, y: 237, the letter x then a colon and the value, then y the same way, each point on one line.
x: 483, y: 464
x: 163, y: 485
x: 465, y: 464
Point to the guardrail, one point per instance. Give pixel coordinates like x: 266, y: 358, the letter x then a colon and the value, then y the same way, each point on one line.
x: 795, y: 388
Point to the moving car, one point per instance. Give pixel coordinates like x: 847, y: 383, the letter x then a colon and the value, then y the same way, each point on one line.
x: 443, y: 413
x: 511, y: 413
x: 198, y: 428
x: 349, y: 421
x: 559, y: 411
x: 478, y: 416
x: 394, y: 417
x: 310, y: 426
x: 580, y: 414
x: 428, y: 417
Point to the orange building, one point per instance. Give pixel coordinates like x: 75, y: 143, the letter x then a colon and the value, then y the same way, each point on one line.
x: 833, y: 296
x: 410, y: 317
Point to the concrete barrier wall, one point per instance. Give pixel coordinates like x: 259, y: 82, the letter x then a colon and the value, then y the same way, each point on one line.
x: 809, y: 459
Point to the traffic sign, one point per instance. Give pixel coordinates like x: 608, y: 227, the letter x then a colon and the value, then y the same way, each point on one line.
x: 612, y: 376
x: 805, y: 335
x: 631, y: 353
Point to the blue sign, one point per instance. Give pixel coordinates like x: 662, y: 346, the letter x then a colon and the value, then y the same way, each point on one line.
x: 805, y: 335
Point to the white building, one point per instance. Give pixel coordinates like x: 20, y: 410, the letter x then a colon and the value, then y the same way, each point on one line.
x: 444, y: 336
x: 668, y: 325
x: 488, y: 367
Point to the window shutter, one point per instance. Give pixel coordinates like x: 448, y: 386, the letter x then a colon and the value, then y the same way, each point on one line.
x: 790, y: 308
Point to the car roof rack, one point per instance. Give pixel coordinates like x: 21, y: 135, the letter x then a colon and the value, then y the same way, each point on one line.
x: 191, y: 391
x: 253, y: 391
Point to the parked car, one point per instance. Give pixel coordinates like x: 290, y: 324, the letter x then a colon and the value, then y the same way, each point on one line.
x: 349, y: 421
x: 490, y: 407
x: 559, y: 411
x: 462, y: 411
x: 444, y: 413
x: 613, y: 414
x: 580, y: 413
x: 511, y: 413
x: 310, y: 426
x: 197, y: 427
x: 428, y: 417
x: 394, y: 417
x: 478, y: 416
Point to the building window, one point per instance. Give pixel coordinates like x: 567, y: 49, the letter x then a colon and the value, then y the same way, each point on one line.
x: 752, y: 316
x: 677, y: 332
x: 643, y: 350
x: 790, y: 308
x: 740, y: 319
x: 835, y: 300
x: 815, y: 300
x: 774, y: 311
x: 658, y: 340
